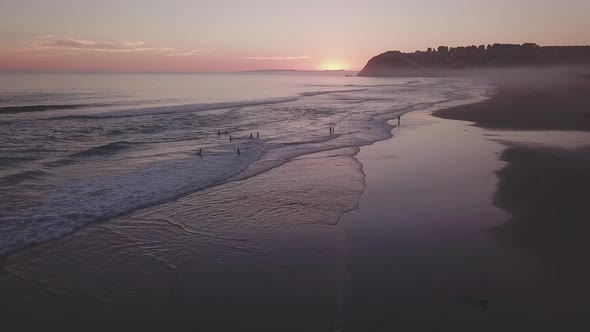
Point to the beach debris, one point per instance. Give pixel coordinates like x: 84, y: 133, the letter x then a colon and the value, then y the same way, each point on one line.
x: 483, y: 303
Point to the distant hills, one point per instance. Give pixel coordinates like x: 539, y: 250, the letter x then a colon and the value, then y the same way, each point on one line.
x: 443, y: 58
x: 294, y: 71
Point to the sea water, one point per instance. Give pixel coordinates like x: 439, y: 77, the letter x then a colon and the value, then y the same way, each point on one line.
x: 82, y: 148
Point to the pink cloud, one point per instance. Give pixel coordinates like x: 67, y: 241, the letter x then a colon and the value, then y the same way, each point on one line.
x: 189, y: 53
x: 61, y: 43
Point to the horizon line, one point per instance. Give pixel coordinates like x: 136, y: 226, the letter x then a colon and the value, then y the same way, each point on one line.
x: 173, y: 72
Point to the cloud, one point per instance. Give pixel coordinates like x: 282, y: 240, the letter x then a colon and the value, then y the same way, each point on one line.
x: 51, y: 42
x: 189, y: 53
x: 276, y: 58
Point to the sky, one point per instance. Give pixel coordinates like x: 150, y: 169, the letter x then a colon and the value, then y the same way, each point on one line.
x: 234, y: 35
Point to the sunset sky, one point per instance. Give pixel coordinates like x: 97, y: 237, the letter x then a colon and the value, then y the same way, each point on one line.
x: 229, y: 35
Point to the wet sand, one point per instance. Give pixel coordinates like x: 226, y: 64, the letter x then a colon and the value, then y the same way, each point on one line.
x: 420, y: 254
x: 469, y: 229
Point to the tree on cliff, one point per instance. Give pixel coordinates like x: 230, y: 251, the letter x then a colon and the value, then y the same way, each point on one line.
x: 495, y: 55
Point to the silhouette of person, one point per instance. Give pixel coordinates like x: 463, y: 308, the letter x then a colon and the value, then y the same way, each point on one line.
x: 200, y: 153
x: 218, y: 132
x: 230, y: 138
x: 238, y: 151
x: 257, y: 134
x: 250, y: 135
x: 399, y: 119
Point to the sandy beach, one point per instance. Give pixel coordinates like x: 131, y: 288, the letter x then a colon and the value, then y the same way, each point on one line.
x: 463, y: 243
x: 544, y: 186
x: 444, y: 226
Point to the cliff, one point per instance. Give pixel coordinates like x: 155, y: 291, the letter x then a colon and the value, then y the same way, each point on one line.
x: 443, y: 59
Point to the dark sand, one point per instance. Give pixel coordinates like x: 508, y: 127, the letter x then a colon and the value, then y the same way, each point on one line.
x: 547, y: 191
x: 535, y: 104
x: 545, y: 186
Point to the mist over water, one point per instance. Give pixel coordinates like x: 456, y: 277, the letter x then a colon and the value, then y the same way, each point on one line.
x: 84, y: 148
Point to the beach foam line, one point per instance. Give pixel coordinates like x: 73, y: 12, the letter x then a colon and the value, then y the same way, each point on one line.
x: 185, y: 108
x: 42, y: 108
x: 319, y: 93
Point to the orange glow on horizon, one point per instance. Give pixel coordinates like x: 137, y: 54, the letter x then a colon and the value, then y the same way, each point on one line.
x: 334, y: 65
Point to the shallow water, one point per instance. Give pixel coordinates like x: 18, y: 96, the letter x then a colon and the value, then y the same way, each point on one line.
x: 265, y: 252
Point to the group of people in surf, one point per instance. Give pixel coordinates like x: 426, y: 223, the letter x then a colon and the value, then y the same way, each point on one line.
x: 231, y: 138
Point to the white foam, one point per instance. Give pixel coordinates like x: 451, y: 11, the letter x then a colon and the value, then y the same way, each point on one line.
x: 76, y: 203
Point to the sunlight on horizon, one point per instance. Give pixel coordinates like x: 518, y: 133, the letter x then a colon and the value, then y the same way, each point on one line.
x: 334, y: 65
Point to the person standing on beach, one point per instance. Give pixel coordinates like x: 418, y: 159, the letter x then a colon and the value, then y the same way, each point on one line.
x: 230, y: 138
x: 238, y: 151
x: 257, y: 135
x: 399, y: 119
x: 218, y: 132
x: 250, y: 135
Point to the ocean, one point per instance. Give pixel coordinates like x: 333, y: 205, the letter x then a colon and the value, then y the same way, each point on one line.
x: 84, y: 148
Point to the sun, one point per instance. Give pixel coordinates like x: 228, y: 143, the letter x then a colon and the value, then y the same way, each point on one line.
x: 333, y: 65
